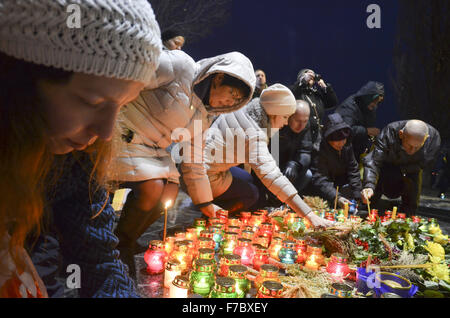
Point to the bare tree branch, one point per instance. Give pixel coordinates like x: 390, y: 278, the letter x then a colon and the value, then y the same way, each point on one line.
x: 194, y: 18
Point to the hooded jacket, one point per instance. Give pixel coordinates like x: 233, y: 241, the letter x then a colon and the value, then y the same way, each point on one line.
x: 388, y: 149
x: 333, y: 168
x: 169, y: 103
x: 355, y: 113
x: 248, y: 124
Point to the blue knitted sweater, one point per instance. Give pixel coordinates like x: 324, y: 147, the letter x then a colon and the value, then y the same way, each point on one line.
x: 89, y: 243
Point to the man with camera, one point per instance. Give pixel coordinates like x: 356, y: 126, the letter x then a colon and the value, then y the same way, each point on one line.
x: 359, y: 111
x: 311, y: 88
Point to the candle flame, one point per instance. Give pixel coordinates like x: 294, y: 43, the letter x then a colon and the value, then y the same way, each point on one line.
x: 168, y: 204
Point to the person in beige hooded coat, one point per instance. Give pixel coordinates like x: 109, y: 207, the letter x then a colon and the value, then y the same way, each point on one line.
x: 251, y: 128
x: 178, y: 107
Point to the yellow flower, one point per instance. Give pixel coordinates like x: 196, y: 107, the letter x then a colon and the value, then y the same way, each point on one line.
x: 439, y: 271
x: 441, y: 239
x: 434, y: 229
x: 435, y: 250
x: 410, y: 241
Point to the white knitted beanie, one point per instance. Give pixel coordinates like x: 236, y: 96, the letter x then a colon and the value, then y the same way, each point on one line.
x: 114, y: 38
x: 277, y: 99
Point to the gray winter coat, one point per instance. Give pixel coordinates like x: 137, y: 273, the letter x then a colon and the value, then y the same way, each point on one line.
x: 222, y: 153
x: 171, y: 103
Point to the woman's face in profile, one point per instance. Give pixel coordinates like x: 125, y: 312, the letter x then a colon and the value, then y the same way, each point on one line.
x: 79, y: 112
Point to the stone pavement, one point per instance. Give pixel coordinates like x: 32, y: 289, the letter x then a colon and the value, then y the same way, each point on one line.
x: 183, y: 213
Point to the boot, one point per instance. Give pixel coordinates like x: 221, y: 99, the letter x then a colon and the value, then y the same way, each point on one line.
x: 133, y: 223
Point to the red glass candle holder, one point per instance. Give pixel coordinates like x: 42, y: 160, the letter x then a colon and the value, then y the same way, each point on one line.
x: 222, y: 215
x: 337, y: 267
x: 245, y: 218
x: 261, y: 256
x: 156, y: 257
x: 245, y: 251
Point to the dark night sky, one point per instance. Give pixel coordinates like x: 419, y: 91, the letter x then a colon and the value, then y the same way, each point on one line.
x: 329, y: 36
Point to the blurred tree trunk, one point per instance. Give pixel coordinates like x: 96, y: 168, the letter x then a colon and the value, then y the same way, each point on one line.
x: 422, y: 62
x: 195, y: 19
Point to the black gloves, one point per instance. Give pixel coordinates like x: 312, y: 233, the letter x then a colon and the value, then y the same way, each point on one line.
x: 291, y: 171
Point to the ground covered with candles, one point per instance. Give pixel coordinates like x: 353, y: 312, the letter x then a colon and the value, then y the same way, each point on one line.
x: 273, y: 253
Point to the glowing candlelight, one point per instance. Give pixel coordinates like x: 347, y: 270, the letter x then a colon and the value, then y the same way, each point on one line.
x: 166, y: 206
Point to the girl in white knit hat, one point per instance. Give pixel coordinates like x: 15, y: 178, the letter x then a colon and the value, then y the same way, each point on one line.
x: 62, y: 86
x: 254, y: 125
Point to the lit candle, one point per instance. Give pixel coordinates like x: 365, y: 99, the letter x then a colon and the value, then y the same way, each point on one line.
x: 287, y: 254
x: 208, y: 253
x: 155, y: 257
x: 275, y: 247
x: 261, y: 256
x: 200, y: 225
x: 172, y: 270
x: 179, y: 287
x: 217, y: 236
x: 169, y: 244
x: 245, y: 251
x: 266, y: 272
x: 270, y: 289
x: 226, y: 261
x: 229, y: 243
x: 202, y: 277
x: 191, y: 234
x: 301, y: 249
x: 239, y: 274
x: 225, y: 287
x: 314, y: 257
x: 181, y: 254
x: 245, y: 218
x: 166, y: 206
x: 338, y: 267
x: 223, y: 216
x: 205, y: 242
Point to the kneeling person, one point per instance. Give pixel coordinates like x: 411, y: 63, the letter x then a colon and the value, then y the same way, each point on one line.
x: 402, y: 151
x: 335, y: 164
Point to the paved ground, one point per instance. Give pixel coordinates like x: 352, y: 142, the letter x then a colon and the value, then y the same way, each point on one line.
x: 183, y: 214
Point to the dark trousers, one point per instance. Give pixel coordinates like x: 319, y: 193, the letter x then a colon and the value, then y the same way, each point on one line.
x: 241, y: 194
x: 393, y: 184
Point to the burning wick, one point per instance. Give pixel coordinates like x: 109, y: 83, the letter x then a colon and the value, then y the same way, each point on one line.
x: 167, y: 205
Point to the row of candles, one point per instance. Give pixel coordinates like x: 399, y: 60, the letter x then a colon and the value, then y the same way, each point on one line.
x: 251, y: 247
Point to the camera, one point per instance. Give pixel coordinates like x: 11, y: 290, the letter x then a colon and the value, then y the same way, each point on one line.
x: 318, y: 77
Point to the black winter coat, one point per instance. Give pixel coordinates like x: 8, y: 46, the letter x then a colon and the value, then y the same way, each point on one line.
x: 295, y: 147
x: 355, y: 113
x: 322, y: 98
x: 333, y: 168
x: 388, y: 149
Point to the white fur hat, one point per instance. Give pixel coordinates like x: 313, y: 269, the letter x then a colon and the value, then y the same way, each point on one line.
x: 114, y: 38
x: 277, y: 99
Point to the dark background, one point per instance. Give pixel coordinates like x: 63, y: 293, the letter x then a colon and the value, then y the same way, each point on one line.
x: 331, y: 37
